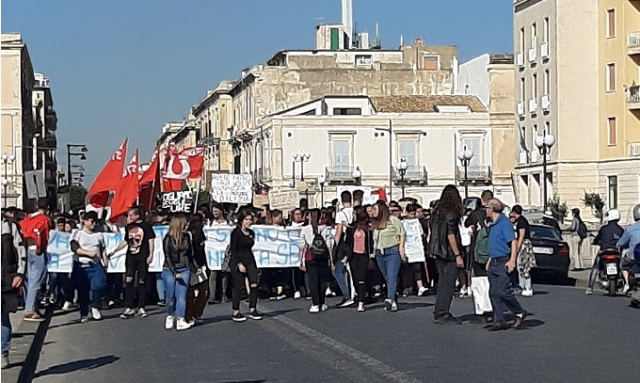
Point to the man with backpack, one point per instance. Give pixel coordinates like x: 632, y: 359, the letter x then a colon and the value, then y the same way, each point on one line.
x: 578, y: 232
x: 315, y: 258
x: 477, y: 221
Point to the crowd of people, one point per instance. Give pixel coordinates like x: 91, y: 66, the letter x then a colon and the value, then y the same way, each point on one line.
x: 350, y: 248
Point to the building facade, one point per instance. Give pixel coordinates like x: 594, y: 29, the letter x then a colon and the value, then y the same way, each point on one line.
x: 575, y: 81
x: 18, y: 123
x: 359, y: 140
x: 44, y: 141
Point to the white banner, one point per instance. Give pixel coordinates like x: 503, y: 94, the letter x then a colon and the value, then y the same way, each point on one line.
x: 283, y: 200
x: 274, y: 247
x: 233, y: 188
x: 413, y: 246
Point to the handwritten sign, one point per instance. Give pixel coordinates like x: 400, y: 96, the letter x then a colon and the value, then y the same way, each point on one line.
x: 413, y: 246
x: 283, y: 200
x: 176, y: 201
x: 59, y: 254
x: 231, y: 188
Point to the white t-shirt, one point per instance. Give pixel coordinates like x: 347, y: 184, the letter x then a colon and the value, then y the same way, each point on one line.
x: 297, y: 224
x: 345, y: 215
x: 306, y: 234
x: 219, y: 223
x: 89, y: 242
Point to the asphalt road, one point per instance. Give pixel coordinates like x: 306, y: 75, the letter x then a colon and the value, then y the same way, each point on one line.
x: 570, y: 338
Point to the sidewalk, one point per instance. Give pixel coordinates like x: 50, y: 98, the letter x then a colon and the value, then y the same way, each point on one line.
x: 26, y: 343
x: 581, y: 277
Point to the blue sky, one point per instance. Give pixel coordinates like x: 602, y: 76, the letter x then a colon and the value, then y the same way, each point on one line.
x: 123, y: 68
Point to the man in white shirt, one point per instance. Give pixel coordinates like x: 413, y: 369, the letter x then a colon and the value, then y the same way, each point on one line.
x: 341, y: 272
x: 88, y: 273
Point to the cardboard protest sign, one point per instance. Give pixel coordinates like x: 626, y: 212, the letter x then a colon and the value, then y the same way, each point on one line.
x: 181, y: 201
x: 232, y: 188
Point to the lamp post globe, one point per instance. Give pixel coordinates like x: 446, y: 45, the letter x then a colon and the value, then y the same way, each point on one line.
x: 356, y: 173
x: 549, y: 140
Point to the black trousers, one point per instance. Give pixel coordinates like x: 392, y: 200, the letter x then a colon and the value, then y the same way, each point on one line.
x: 359, y: 264
x: 238, y: 281
x: 140, y: 266
x: 318, y: 277
x: 447, y: 272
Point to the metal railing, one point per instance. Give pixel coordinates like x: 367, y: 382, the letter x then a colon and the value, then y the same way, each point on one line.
x: 633, y: 96
x: 342, y: 173
x: 264, y: 174
x: 633, y: 40
x: 474, y: 173
x: 413, y: 174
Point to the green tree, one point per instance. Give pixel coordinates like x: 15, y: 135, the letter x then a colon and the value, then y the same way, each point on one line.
x: 594, y: 201
x: 558, y: 208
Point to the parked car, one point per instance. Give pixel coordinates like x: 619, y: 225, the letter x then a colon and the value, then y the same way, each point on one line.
x: 552, y: 253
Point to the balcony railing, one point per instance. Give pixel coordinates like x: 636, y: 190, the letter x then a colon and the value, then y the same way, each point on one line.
x: 264, y: 175
x: 414, y: 174
x: 210, y: 139
x: 340, y: 174
x: 476, y: 173
x: 633, y: 43
x: 633, y: 97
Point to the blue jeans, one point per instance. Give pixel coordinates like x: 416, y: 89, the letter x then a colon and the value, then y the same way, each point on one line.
x: 501, y: 291
x: 340, y: 274
x: 36, y: 272
x: 160, y: 287
x: 89, y: 280
x: 176, y: 291
x: 6, y: 332
x: 389, y: 263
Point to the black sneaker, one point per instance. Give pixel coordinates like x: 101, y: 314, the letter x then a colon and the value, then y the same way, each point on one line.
x: 238, y: 318
x: 161, y: 303
x: 447, y: 319
x: 388, y: 303
x: 254, y: 314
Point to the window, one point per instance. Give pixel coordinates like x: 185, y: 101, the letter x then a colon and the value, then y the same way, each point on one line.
x: 407, y: 150
x: 545, y: 32
x: 522, y: 90
x: 612, y: 136
x: 473, y: 143
x: 545, y: 84
x: 521, y: 40
x: 611, y: 23
x: 523, y: 138
x: 363, y: 60
x: 347, y: 111
x: 534, y: 86
x: 431, y: 63
x: 611, y: 77
x: 340, y: 156
x: 534, y: 35
x: 534, y: 135
x: 612, y: 181
x: 466, y: 89
x: 547, y: 127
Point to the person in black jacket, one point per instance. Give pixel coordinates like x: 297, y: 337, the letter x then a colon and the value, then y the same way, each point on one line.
x: 445, y: 246
x: 243, y: 265
x: 199, y: 281
x: 359, y: 239
x: 176, y: 274
x: 607, y: 239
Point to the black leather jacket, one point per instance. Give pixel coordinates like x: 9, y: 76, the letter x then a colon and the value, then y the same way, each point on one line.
x: 178, y: 255
x: 441, y: 227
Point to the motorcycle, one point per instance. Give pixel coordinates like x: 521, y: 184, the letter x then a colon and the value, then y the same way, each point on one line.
x: 610, y: 276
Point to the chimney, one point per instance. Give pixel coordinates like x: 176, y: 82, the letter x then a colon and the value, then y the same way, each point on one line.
x: 347, y: 21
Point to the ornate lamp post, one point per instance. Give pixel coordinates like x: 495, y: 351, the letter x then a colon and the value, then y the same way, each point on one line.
x: 302, y: 157
x: 544, y: 144
x: 356, y: 174
x: 401, y: 167
x: 321, y: 181
x: 6, y: 181
x: 465, y: 157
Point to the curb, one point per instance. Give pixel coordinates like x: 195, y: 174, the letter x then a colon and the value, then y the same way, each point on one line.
x: 30, y: 364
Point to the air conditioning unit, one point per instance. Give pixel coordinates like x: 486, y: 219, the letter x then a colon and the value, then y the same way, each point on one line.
x: 522, y: 158
x: 634, y: 149
x: 544, y: 51
x: 533, y: 106
x: 545, y: 103
x: 532, y: 54
x: 521, y: 109
x: 534, y: 156
x: 520, y: 59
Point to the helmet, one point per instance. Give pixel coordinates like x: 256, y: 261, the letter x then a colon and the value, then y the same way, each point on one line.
x: 636, y: 212
x: 613, y: 215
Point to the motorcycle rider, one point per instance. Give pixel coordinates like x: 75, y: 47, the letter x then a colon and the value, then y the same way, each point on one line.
x: 607, y: 239
x: 630, y: 239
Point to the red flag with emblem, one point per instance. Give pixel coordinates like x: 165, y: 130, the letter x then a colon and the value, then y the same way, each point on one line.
x: 149, y: 175
x: 112, y: 170
x: 126, y: 192
x: 183, y: 165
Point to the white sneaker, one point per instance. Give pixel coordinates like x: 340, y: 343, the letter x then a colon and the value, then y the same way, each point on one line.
x: 324, y: 308
x: 297, y: 295
x: 314, y: 309
x: 422, y: 290
x: 66, y: 306
x: 463, y: 292
x: 96, y: 314
x: 328, y: 292
x: 625, y: 289
x: 142, y: 313
x: 394, y: 306
x: 527, y: 293
x: 128, y: 313
x: 168, y: 323
x: 182, y: 324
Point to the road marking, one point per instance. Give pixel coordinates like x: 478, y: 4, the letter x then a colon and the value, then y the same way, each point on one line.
x: 370, y: 363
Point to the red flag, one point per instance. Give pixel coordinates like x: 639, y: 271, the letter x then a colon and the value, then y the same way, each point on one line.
x: 149, y: 175
x: 111, y: 171
x: 187, y: 164
x: 127, y: 189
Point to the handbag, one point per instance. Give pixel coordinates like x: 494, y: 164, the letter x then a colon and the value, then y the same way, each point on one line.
x: 197, y: 278
x: 481, y: 300
x: 226, y: 260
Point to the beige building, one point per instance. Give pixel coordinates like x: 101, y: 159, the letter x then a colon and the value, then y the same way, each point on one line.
x: 18, y: 125
x: 346, y: 140
x: 490, y: 78
x: 576, y: 81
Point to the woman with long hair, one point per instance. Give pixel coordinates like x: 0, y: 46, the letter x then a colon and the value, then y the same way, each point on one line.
x: 176, y: 274
x: 389, y: 236
x: 243, y: 265
x: 315, y: 256
x: 445, y: 245
x: 360, y: 241
x: 199, y: 284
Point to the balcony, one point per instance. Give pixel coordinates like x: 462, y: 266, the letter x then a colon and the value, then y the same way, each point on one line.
x: 544, y: 51
x: 520, y: 60
x: 264, y: 175
x: 210, y: 139
x: 342, y: 174
x: 633, y: 97
x: 533, y: 106
x: 545, y: 103
x: 634, y: 149
x: 633, y: 43
x: 520, y: 109
x: 475, y: 174
x: 533, y: 51
x: 414, y: 174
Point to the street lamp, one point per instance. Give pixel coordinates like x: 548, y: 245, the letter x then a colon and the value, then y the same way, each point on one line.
x: 6, y: 159
x: 83, y: 150
x: 544, y: 144
x: 356, y: 173
x: 321, y: 180
x: 301, y: 157
x: 390, y: 131
x: 5, y: 184
x: 465, y: 157
x: 402, y: 170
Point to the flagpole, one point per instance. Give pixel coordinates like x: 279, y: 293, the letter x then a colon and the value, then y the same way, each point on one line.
x: 202, y: 174
x: 137, y: 178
